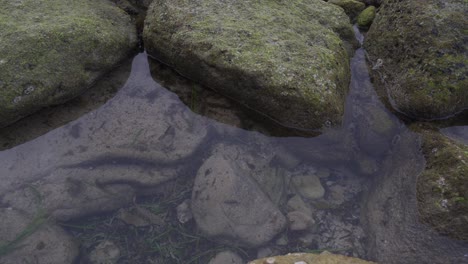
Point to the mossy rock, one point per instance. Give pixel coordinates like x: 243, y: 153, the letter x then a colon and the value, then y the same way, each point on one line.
x: 442, y: 188
x: 351, y: 7
x: 422, y: 45
x: 285, y: 59
x: 323, y: 258
x: 365, y: 18
x: 52, y: 50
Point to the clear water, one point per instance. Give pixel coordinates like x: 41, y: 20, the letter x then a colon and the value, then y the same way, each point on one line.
x: 145, y: 146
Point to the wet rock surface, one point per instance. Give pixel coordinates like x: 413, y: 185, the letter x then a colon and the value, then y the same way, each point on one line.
x: 443, y: 185
x: 226, y: 257
x: 418, y: 55
x: 228, y: 204
x: 352, y: 7
x: 142, y: 150
x: 92, y: 165
x: 28, y: 238
x: 297, y: 75
x: 301, y: 258
x: 391, y: 214
x: 51, y: 51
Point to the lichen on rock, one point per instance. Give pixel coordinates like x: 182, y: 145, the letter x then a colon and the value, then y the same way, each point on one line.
x: 286, y: 59
x: 51, y: 51
x: 422, y: 45
x: 443, y: 185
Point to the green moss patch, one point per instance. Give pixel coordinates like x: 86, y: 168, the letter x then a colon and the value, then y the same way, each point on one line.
x: 286, y: 59
x: 423, y: 48
x: 443, y: 186
x: 50, y: 51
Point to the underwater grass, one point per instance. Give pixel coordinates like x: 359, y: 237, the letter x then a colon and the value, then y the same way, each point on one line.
x: 39, y: 219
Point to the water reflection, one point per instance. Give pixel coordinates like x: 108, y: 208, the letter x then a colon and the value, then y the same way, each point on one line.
x: 351, y: 189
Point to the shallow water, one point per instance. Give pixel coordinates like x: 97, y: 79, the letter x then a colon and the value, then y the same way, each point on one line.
x: 146, y: 137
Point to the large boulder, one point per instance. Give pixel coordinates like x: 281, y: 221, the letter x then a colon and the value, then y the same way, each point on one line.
x: 419, y: 53
x: 286, y: 59
x: 443, y: 185
x: 51, y: 51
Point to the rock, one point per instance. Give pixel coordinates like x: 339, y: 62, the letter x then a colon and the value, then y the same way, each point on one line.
x: 105, y: 252
x: 299, y: 221
x: 98, y: 162
x: 458, y: 133
x: 297, y: 204
x: 422, y: 50
x: 366, y: 17
x: 307, y: 258
x: 226, y: 257
x: 184, y: 212
x: 285, y: 59
x: 33, y: 239
x: 228, y: 204
x: 390, y: 214
x: 51, y: 51
x: 443, y: 185
x: 375, y: 3
x: 308, y: 186
x: 264, y: 252
x: 351, y: 7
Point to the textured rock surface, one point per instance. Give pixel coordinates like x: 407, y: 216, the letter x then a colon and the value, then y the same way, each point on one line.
x: 286, y: 59
x: 137, y: 140
x: 226, y: 257
x: 228, y: 204
x: 366, y: 17
x: 443, y: 185
x: 305, y: 258
x: 422, y: 45
x: 33, y: 240
x: 390, y: 215
x: 51, y: 51
x: 351, y: 7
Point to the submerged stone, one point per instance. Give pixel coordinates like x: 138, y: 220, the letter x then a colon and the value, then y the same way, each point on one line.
x: 32, y: 238
x: 286, y: 59
x: 228, y: 204
x: 51, y: 51
x: 419, y: 56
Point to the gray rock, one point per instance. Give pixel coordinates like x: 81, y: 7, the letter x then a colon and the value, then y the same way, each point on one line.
x: 297, y: 204
x: 286, y: 59
x: 105, y: 252
x: 226, y: 257
x: 34, y: 239
x: 51, y: 51
x: 308, y: 186
x: 228, y: 204
x: 299, y: 221
x: 184, y: 212
x: 95, y: 163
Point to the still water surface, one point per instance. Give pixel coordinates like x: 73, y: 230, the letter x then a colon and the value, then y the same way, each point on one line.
x: 145, y: 146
